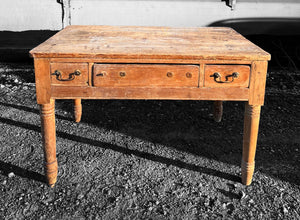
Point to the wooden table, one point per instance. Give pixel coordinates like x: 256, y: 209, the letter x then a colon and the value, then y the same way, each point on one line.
x: 105, y: 62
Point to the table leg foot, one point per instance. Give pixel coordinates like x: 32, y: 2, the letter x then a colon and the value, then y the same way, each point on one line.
x: 77, y: 109
x: 218, y: 110
x: 51, y: 173
x: 49, y: 141
x: 247, y: 172
x: 251, y: 124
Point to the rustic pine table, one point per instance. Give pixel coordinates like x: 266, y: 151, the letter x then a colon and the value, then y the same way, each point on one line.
x: 105, y: 62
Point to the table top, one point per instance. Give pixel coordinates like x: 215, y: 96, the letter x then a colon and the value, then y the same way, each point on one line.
x: 132, y: 42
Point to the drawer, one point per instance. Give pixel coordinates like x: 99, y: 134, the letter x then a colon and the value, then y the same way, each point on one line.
x: 226, y: 76
x: 66, y: 74
x: 145, y: 75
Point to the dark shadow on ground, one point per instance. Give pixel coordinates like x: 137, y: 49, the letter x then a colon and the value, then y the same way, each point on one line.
x: 123, y: 150
x: 32, y: 110
x: 189, y: 127
x: 7, y: 168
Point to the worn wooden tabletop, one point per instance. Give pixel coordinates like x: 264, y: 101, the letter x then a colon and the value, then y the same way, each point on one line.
x: 209, y: 43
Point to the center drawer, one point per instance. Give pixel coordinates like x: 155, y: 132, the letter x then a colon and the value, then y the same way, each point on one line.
x: 145, y: 75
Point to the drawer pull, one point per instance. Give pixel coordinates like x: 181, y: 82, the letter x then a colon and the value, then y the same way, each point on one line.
x: 169, y: 74
x: 188, y: 75
x: 122, y: 74
x: 217, y: 77
x: 57, y: 73
x: 101, y: 74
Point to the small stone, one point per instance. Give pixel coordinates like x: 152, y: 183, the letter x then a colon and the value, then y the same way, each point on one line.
x: 285, y: 210
x: 2, y: 86
x: 11, y: 175
x: 4, y: 182
x: 16, y: 80
x: 242, y: 195
x: 25, y: 87
x: 80, y: 196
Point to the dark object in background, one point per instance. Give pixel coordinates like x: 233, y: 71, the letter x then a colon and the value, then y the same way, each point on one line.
x: 278, y: 36
x: 15, y: 46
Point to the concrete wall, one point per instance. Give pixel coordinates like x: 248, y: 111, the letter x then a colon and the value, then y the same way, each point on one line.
x: 20, y: 15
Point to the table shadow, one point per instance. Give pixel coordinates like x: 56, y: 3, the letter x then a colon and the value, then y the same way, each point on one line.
x: 178, y: 163
x: 7, y: 168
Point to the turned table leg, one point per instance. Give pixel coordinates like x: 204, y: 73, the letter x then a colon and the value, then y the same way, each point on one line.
x: 251, y: 124
x: 49, y: 141
x: 77, y: 109
x: 218, y: 110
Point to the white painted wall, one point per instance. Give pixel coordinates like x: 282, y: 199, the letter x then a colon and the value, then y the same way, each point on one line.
x: 175, y: 12
x: 19, y: 15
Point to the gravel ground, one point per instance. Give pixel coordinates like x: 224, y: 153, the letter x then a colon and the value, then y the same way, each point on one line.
x: 148, y: 159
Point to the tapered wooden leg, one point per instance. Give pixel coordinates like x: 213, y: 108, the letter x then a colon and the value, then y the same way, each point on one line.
x: 49, y: 141
x: 251, y: 124
x: 218, y: 110
x: 77, y: 109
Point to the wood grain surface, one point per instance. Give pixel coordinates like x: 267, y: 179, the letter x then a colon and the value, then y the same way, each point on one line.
x: 150, y: 42
x: 47, y: 113
x: 73, y: 92
x: 145, y: 75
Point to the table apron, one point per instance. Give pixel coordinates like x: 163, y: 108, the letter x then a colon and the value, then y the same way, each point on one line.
x: 72, y: 92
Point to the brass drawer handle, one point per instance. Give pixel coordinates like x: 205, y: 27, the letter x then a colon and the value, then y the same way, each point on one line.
x: 217, y: 77
x: 57, y: 73
x: 122, y: 74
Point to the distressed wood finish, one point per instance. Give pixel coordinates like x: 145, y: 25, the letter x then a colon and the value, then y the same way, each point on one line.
x: 49, y: 140
x: 258, y: 82
x: 42, y: 80
x: 77, y: 110
x: 251, y: 124
x: 236, y: 94
x: 149, y: 63
x: 145, y: 75
x: 212, y: 43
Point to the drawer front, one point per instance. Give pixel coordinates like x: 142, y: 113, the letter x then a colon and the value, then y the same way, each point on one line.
x: 226, y: 76
x: 145, y: 75
x: 69, y: 74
